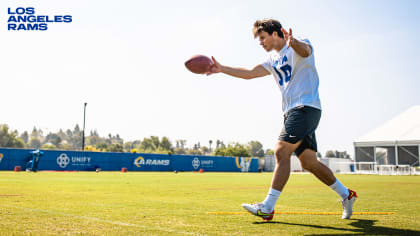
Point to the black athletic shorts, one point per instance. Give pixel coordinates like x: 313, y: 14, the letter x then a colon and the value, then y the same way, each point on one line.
x: 300, y: 124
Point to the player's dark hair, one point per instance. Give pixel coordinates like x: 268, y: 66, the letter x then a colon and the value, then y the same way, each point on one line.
x: 267, y: 25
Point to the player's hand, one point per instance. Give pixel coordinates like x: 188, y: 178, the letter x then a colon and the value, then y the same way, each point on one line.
x: 288, y: 37
x: 215, y: 68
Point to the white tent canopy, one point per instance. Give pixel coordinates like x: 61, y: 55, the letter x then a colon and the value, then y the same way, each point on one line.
x: 402, y: 129
x: 396, y: 142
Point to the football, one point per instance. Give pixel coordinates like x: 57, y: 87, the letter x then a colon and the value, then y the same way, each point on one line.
x: 199, y: 64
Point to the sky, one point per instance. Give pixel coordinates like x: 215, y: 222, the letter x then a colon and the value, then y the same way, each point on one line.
x: 126, y: 60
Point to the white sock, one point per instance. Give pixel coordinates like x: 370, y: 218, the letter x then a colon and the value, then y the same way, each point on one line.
x: 271, y: 199
x: 340, y: 189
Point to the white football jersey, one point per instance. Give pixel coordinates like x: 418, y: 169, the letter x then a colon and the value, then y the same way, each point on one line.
x: 296, y: 77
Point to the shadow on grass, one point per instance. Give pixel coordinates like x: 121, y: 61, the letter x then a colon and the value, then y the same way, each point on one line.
x: 363, y: 227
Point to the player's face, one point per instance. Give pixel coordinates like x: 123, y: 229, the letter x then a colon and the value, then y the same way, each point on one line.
x: 266, y: 40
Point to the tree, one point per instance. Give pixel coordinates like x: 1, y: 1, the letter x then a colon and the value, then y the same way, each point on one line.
x: 180, y: 151
x: 65, y: 145
x: 25, y: 137
x: 236, y: 150
x: 117, y: 139
x: 10, y: 138
x: 53, y: 139
x: 337, y: 154
x: 94, y: 138
x: 101, y: 146
x: 330, y: 153
x: 165, y: 144
x: 194, y: 152
x: 218, y: 144
x: 210, y: 142
x: 35, y: 133
x: 76, y: 138
x: 256, y: 149
x: 69, y: 135
x: 115, y: 147
x: 204, y: 150
x: 128, y: 146
x: 147, y: 145
x: 155, y: 141
x: 34, y: 143
x: 269, y: 152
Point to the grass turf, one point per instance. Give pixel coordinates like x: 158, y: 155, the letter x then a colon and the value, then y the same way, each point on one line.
x: 165, y: 203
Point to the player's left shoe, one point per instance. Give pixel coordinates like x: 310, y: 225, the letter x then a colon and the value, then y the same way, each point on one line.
x: 348, y: 205
x: 258, y: 210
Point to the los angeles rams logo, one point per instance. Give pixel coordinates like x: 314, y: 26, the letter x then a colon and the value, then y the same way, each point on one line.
x: 139, y: 161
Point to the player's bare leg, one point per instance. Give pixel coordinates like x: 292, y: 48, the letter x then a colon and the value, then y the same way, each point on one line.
x: 283, y: 152
x: 281, y: 174
x: 310, y: 163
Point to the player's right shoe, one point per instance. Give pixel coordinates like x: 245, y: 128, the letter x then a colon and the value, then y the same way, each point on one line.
x: 258, y: 210
x: 348, y: 205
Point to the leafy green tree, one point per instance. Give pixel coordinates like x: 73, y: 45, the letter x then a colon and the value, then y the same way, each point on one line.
x: 235, y: 150
x: 94, y: 138
x: 36, y: 133
x: 204, y: 150
x: 256, y: 149
x: 147, y: 145
x: 165, y: 144
x: 115, y: 147
x: 25, y: 137
x: 102, y: 146
x: 128, y: 146
x: 53, y: 139
x: 69, y: 135
x: 10, y: 138
x: 155, y: 141
x: 269, y: 152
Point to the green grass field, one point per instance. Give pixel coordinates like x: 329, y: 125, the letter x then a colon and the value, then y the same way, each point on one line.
x: 165, y: 203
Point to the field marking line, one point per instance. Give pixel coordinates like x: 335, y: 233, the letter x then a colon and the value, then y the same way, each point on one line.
x: 102, y: 220
x: 303, y: 213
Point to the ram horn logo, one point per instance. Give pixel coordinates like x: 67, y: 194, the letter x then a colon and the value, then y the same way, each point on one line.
x: 243, y: 163
x: 139, y: 161
x: 1, y: 157
x: 63, y: 160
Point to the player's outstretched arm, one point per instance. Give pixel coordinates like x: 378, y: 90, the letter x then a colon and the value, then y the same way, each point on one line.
x: 257, y: 71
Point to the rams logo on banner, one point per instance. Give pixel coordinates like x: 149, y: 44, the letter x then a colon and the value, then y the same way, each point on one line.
x: 1, y: 157
x: 243, y: 163
x: 139, y: 161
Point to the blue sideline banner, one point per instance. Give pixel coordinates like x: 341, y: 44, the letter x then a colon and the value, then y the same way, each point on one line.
x: 110, y: 161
